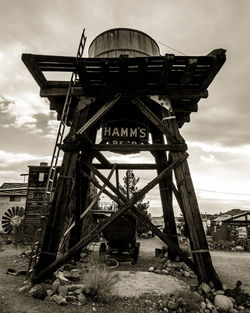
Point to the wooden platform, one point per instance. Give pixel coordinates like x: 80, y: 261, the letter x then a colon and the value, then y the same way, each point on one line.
x: 183, y: 79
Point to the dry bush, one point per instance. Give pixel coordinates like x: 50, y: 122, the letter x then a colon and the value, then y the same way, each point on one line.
x: 188, y: 301
x: 99, y: 283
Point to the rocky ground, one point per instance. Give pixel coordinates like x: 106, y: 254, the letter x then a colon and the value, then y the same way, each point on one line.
x: 136, y: 276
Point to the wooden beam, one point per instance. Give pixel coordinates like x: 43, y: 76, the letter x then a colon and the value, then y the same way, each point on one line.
x: 155, y: 120
x: 219, y: 56
x: 165, y: 187
x: 93, y: 202
x: 198, y: 242
x: 127, y: 166
x: 129, y: 148
x: 60, y: 90
x: 167, y: 64
x: 29, y: 61
x: 121, y: 199
x: 104, y: 109
x: 47, y: 270
x: 189, y: 71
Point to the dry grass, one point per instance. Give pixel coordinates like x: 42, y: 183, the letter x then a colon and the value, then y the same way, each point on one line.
x: 99, y: 283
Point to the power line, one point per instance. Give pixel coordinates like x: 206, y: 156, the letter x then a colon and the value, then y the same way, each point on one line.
x: 227, y: 193
x: 206, y: 190
x: 161, y: 43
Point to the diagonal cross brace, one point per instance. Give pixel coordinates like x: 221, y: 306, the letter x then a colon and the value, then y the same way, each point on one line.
x: 93, y: 202
x: 122, y: 200
x: 104, y: 109
x: 156, y: 121
x: 87, y: 239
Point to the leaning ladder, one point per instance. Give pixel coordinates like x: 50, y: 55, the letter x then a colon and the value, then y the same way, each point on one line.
x: 54, y: 161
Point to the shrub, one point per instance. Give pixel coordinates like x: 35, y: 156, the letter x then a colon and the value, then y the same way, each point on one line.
x: 99, y: 283
x: 188, y: 301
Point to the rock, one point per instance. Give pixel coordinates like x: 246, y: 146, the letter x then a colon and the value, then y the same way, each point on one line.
x: 148, y: 302
x: 185, y: 267
x: 27, y: 285
x: 177, y: 265
x: 70, y: 298
x: 79, y: 291
x: 203, y: 305
x: 172, y: 305
x: 210, y: 306
x: 62, y: 291
x: 165, y: 309
x: 151, y: 269
x: 223, y: 302
x: 232, y: 310
x: 165, y: 272
x: 81, y: 298
x: 186, y: 274
x: 49, y: 292
x: 72, y: 275
x: 218, y: 292
x: 205, y: 288
x: 76, y: 286
x: 62, y: 278
x: 46, y: 286
x: 239, y: 249
x: 59, y: 299
x: 68, y: 267
x: 157, y: 271
x: 38, y: 292
x: 55, y: 285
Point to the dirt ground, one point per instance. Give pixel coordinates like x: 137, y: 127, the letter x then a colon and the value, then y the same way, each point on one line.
x: 230, y: 266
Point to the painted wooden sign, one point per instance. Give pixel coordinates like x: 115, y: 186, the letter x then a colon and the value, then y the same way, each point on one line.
x: 124, y: 132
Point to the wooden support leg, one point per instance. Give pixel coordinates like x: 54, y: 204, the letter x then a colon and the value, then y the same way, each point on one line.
x: 198, y: 241
x: 165, y: 186
x: 75, y: 234
x: 59, y: 207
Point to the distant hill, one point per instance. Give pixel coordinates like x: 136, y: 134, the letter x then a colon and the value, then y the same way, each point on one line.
x: 235, y: 211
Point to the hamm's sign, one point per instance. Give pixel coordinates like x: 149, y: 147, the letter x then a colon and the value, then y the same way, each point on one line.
x: 124, y: 132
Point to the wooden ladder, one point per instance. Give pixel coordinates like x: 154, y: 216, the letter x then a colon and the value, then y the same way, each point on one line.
x: 47, y: 198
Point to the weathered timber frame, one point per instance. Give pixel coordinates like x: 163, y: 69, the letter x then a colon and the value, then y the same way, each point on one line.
x: 179, y: 82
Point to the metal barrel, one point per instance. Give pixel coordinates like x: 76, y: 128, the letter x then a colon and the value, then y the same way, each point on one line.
x: 114, y: 42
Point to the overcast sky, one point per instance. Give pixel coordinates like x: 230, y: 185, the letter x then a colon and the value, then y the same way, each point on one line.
x: 218, y: 135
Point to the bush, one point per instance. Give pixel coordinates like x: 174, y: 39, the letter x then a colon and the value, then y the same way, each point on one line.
x: 188, y: 301
x: 99, y: 283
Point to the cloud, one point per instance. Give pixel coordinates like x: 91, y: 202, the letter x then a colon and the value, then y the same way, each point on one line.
x: 7, y: 158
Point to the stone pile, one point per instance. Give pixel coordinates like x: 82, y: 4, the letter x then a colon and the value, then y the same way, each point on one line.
x: 166, y: 267
x: 65, y: 287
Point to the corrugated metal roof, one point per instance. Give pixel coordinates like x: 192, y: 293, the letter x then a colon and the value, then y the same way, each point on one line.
x: 13, y: 189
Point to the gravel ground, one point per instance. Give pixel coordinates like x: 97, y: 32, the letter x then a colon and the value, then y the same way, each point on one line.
x: 231, y: 266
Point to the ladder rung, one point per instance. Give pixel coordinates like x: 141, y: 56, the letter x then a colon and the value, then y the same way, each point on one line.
x: 37, y: 243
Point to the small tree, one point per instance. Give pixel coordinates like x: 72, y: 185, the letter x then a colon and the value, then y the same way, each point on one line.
x: 128, y: 189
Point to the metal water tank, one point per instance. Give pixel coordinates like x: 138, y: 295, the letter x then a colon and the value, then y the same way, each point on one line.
x: 117, y: 41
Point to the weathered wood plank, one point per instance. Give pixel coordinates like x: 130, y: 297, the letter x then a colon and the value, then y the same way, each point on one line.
x: 126, y: 166
x: 140, y: 147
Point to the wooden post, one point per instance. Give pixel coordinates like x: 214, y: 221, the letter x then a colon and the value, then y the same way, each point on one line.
x: 198, y: 241
x: 165, y: 186
x: 75, y: 234
x: 59, y: 206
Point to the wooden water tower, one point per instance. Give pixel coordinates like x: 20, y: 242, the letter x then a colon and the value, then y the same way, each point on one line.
x: 139, y: 99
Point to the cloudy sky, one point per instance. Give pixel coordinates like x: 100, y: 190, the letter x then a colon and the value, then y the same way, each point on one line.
x: 218, y: 135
